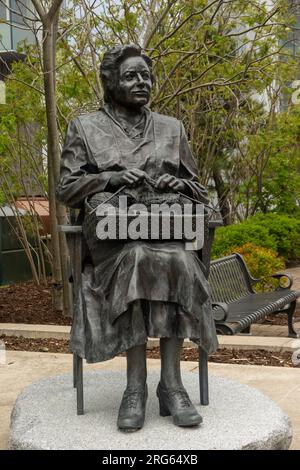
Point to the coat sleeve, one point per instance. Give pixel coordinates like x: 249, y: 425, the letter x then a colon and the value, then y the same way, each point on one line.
x: 78, y: 177
x: 188, y: 170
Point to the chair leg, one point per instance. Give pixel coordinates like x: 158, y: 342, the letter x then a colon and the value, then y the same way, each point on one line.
x: 79, y: 386
x: 290, y: 313
x: 203, y: 377
x: 75, y: 357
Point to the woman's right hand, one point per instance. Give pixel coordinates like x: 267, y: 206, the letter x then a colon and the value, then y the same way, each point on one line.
x: 126, y: 177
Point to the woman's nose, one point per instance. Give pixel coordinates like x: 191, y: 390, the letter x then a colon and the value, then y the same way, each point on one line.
x: 140, y: 78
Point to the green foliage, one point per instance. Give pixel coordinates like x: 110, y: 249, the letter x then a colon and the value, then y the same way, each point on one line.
x: 272, y: 181
x: 237, y: 235
x: 278, y: 232
x: 209, y: 72
x: 285, y: 229
x: 22, y: 135
x: 260, y: 261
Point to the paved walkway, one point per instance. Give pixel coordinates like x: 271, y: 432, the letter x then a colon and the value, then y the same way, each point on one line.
x: 295, y: 272
x: 22, y: 368
x: 278, y: 330
x: 273, y: 330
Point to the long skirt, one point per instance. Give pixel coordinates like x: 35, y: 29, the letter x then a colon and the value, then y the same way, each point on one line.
x: 133, y: 290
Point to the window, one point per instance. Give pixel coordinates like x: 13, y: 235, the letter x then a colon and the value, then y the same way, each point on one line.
x: 3, y: 10
x: 19, y: 9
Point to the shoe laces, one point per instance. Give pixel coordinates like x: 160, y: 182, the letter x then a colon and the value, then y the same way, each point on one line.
x: 183, y: 397
x: 130, y: 398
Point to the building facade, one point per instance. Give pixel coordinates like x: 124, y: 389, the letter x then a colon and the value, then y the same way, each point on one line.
x: 17, y: 28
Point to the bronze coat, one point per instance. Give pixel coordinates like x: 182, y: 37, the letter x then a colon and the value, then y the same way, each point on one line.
x: 135, y: 289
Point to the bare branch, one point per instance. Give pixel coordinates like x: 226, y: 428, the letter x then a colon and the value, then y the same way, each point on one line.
x: 149, y: 34
x: 40, y: 9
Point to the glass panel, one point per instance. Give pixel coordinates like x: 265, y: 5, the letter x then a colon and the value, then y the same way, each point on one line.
x: 5, y: 38
x: 20, y: 35
x: 19, y: 8
x: 2, y: 11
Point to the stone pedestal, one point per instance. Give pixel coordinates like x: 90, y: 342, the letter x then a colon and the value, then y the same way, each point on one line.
x: 238, y: 417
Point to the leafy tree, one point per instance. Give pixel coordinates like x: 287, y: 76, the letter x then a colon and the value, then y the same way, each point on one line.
x: 273, y: 161
x: 212, y: 60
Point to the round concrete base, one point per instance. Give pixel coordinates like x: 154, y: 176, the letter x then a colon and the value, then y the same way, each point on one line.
x: 238, y: 417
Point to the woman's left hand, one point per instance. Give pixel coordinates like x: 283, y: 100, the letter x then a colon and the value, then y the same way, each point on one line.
x: 167, y: 181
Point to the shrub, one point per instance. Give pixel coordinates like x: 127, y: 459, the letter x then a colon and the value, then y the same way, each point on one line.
x: 278, y: 232
x: 238, y: 235
x: 261, y: 262
x: 285, y: 230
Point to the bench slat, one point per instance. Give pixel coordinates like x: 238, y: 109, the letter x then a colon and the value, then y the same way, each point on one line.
x: 231, y: 283
x: 228, y: 281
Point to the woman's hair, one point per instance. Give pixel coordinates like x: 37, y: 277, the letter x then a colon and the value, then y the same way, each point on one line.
x: 109, y: 68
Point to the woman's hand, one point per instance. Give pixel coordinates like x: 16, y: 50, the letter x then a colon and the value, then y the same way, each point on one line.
x: 126, y: 177
x: 167, y: 181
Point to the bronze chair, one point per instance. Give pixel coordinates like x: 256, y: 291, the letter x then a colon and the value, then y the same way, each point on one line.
x: 74, y: 236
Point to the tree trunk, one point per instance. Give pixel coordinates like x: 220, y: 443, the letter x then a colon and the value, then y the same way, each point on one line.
x: 61, y: 297
x: 61, y: 213
x: 222, y: 191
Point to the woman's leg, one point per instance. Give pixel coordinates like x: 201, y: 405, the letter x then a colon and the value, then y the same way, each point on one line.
x: 170, y: 350
x: 132, y: 410
x: 136, y: 366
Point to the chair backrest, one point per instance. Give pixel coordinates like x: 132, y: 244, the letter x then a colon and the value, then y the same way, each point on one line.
x: 229, y: 279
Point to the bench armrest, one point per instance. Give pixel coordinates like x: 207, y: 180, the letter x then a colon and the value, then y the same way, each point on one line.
x: 278, y: 276
x: 220, y: 311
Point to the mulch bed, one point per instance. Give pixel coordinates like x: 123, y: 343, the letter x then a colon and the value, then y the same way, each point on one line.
x: 229, y: 356
x: 28, y: 303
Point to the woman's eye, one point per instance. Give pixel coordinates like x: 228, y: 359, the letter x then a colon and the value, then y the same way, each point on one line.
x: 129, y: 76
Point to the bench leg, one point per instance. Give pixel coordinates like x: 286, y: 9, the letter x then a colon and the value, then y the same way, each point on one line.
x: 290, y: 313
x: 246, y: 331
x: 78, y: 382
x: 203, y: 377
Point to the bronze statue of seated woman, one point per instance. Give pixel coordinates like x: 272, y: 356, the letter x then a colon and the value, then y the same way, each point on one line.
x: 135, y: 289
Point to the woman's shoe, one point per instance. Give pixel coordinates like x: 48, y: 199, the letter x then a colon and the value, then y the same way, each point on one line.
x: 132, y: 409
x: 177, y: 403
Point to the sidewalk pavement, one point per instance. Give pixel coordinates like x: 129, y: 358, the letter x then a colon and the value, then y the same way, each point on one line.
x: 295, y: 273
x: 22, y: 368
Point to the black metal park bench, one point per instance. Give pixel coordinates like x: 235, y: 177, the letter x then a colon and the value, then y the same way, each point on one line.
x: 236, y: 306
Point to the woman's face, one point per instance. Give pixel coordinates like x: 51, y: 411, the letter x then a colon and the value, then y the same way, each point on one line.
x: 133, y: 84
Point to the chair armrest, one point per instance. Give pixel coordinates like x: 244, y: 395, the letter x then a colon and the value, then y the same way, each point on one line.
x: 70, y: 228
x: 221, y: 312
x: 278, y: 276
